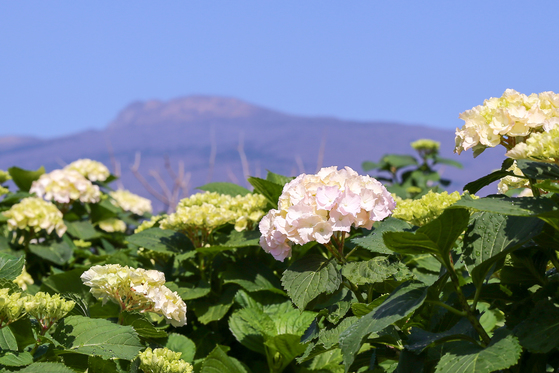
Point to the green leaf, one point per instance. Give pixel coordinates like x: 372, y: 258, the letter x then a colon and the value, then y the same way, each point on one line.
x: 548, y: 185
x: 447, y: 161
x: 288, y: 346
x: 252, y: 276
x: 180, y: 343
x: 23, y: 333
x: 519, y: 206
x: 268, y: 189
x: 538, y: 170
x: 103, y: 210
x: 207, y: 312
x: 82, y: 230
x: 491, y: 236
x: 370, y: 271
x: 58, y: 252
x: 236, y: 239
x: 162, y: 240
x: 539, y: 333
x: 229, y: 189
x: 368, y: 165
x: 374, y: 242
x: 278, y: 179
x: 98, y: 337
x: 309, y: 277
x: 15, y: 359
x: 402, y: 302
x: 190, y: 291
x: 7, y: 340
x: 410, y: 243
x: 24, y: 178
x: 10, y: 266
x: 218, y: 362
x: 250, y: 326
x: 66, y: 282
x: 419, y: 339
x: 141, y: 325
x: 399, y: 161
x: 475, y: 186
x: 97, y: 364
x: 47, y: 368
x: 11, y: 199
x: 502, y: 353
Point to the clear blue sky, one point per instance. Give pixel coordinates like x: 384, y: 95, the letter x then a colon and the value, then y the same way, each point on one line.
x: 66, y: 66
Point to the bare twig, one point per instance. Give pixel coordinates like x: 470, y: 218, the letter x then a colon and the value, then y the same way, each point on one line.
x: 115, y: 163
x: 213, y: 152
x: 232, y: 176
x: 321, y: 152
x: 244, y: 160
x: 300, y: 164
x: 135, y: 167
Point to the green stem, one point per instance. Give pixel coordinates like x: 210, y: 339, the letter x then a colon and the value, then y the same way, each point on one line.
x: 450, y: 308
x: 554, y: 260
x: 355, y: 290
x: 535, y: 190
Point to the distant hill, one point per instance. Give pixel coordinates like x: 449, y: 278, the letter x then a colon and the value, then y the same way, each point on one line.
x: 184, y: 129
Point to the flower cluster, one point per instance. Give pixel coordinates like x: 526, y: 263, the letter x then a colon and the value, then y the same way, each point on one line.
x: 427, y: 146
x: 12, y: 306
x: 48, y: 309
x: 507, y: 120
x: 66, y: 186
x: 542, y: 147
x: 91, y: 170
x: 4, y: 176
x: 163, y: 360
x: 112, y: 225
x: 131, y: 202
x: 203, y: 212
x: 152, y: 222
x: 421, y: 211
x: 24, y: 279
x: 136, y: 289
x: 512, y: 182
x: 35, y: 213
x: 313, y: 207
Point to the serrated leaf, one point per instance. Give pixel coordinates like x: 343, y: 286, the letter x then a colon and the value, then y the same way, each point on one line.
x: 250, y: 326
x: 491, y: 236
x: 402, y: 302
x: 238, y: 239
x: 190, y: 291
x: 97, y: 364
x: 180, y: 343
x: 82, y: 230
x: 330, y: 337
x: 309, y: 277
x: 419, y: 339
x: 252, y: 276
x: 368, y: 272
x: 278, y: 179
x: 7, y: 340
x: 158, y: 239
x: 374, y: 242
x: 475, y: 186
x: 141, y: 325
x: 539, y: 333
x: 538, y: 170
x: 518, y: 206
x: 502, y: 353
x: 229, y: 189
x: 15, y: 359
x: 103, y: 210
x: 288, y: 346
x: 47, y: 368
x: 268, y: 189
x: 23, y: 333
x: 218, y: 362
x: 58, y: 252
x: 399, y: 161
x: 98, y: 337
x: 11, y: 266
x: 548, y: 185
x: 207, y: 312
x: 447, y: 161
x: 66, y: 282
x: 410, y: 243
x: 24, y: 178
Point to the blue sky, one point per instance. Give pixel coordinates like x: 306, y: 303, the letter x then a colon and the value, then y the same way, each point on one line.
x: 66, y: 66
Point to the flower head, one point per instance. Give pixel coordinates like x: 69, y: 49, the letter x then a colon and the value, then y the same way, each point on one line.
x: 65, y: 186
x: 426, y: 145
x: 4, y: 176
x: 314, y: 207
x: 12, y: 306
x: 91, y: 170
x: 24, y: 279
x: 131, y: 202
x: 35, y: 213
x: 152, y: 222
x: 421, y: 211
x: 48, y: 309
x: 136, y: 289
x: 163, y: 360
x: 112, y: 225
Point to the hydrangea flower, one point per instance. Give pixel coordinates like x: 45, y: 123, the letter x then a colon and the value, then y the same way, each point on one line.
x: 163, y: 360
x: 131, y: 202
x: 48, y: 309
x: 426, y: 145
x: 112, y: 225
x: 35, y: 213
x: 507, y: 120
x: 66, y: 186
x: 4, y: 176
x: 512, y: 182
x: 12, y: 306
x: 135, y: 289
x: 152, y: 222
x: 421, y: 211
x: 24, y: 279
x: 91, y: 170
x: 313, y: 207
x: 541, y: 147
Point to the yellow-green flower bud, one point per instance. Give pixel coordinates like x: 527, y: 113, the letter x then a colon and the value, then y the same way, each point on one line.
x: 163, y: 360
x: 421, y: 211
x: 48, y: 309
x: 131, y: 202
x: 4, y: 191
x: 4, y: 176
x: 82, y: 243
x: 112, y: 225
x: 147, y: 224
x: 35, y: 213
x: 24, y: 279
x: 91, y: 170
x: 12, y: 306
x: 426, y: 145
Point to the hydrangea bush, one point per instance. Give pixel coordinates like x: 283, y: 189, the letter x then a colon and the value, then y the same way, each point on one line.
x: 324, y: 273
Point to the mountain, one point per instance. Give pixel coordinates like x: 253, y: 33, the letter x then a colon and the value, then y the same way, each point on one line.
x: 195, y: 129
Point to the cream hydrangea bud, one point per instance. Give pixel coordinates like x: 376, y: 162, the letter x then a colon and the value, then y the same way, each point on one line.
x: 421, y: 211
x: 136, y: 289
x: 35, y: 213
x: 12, y: 306
x: 152, y: 222
x: 4, y: 176
x: 541, y: 147
x: 4, y: 191
x: 131, y: 202
x: 112, y: 225
x: 91, y: 170
x: 512, y: 182
x: 24, y: 279
x: 314, y: 207
x: 65, y: 186
x: 426, y: 145
x: 163, y: 360
x: 48, y: 309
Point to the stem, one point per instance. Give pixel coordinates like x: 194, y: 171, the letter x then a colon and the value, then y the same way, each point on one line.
x: 535, y: 191
x: 450, y: 308
x: 355, y: 290
x: 554, y: 260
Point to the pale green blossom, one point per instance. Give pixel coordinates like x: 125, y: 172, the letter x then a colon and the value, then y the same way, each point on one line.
x: 421, y: 211
x: 4, y: 190
x: 152, y: 222
x: 90, y: 169
x: 12, y: 306
x: 426, y: 145
x: 136, y: 289
x: 65, y: 186
x: 542, y: 147
x: 48, y: 309
x: 131, y: 202
x: 512, y: 182
x: 112, y: 225
x: 36, y: 214
x: 24, y: 279
x: 163, y: 360
x: 4, y: 176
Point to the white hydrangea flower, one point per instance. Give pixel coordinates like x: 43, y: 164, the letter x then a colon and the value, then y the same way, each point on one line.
x: 66, y: 186
x: 131, y: 202
x: 315, y: 207
x: 541, y: 147
x: 24, y: 279
x: 163, y: 360
x: 35, y: 213
x: 112, y: 225
x: 507, y: 121
x: 513, y: 182
x: 135, y: 289
x: 90, y: 169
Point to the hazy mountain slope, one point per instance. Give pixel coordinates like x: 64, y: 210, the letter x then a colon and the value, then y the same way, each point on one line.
x: 183, y: 128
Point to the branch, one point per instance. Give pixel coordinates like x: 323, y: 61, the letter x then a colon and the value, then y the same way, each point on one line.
x: 244, y: 161
x: 143, y: 181
x: 213, y: 152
